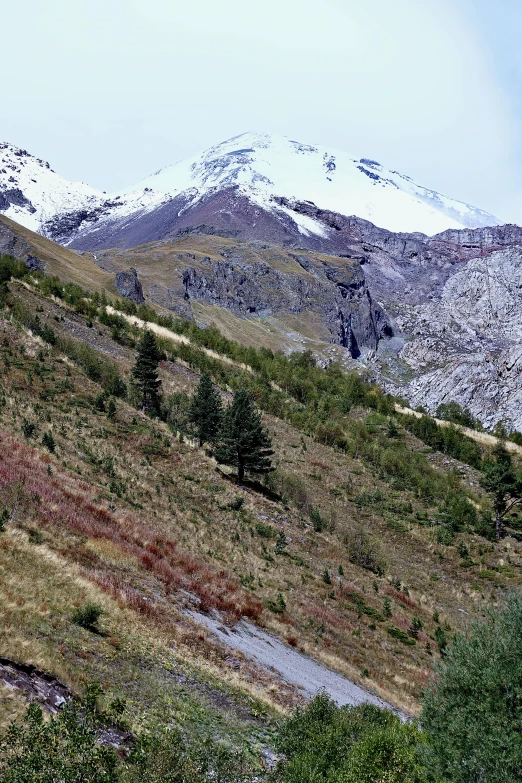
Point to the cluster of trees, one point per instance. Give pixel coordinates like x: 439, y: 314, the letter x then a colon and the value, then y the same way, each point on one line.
x: 452, y: 411
x: 235, y: 432
x: 448, y: 440
x: 468, y: 731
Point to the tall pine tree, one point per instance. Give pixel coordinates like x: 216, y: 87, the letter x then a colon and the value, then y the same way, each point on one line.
x: 206, y: 410
x: 505, y: 485
x: 145, y: 374
x: 243, y: 442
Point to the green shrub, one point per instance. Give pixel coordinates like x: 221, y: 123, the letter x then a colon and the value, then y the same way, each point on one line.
x: 364, y: 551
x: 237, y: 503
x: 452, y: 411
x: 88, y: 616
x: 278, y: 606
x: 316, y: 520
x: 265, y: 531
x: 473, y: 709
x: 63, y: 747
x: 331, y: 434
x: 401, y: 636
x: 292, y: 489
x: 445, y: 535
x: 324, y: 742
x: 28, y: 428
x: 49, y: 442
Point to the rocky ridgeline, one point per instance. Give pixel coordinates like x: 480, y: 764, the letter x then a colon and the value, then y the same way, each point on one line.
x: 435, y: 318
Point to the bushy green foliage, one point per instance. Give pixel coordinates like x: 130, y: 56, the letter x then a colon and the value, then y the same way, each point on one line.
x: 165, y: 755
x: 449, y: 440
x: 95, y: 367
x: 364, y: 551
x: 88, y: 616
x: 278, y: 606
x: 473, y: 710
x: 505, y: 485
x: 456, y: 514
x: 317, y: 520
x: 64, y: 747
x: 175, y: 410
x: 292, y: 489
x: 9, y: 267
x: 452, y: 411
x: 49, y: 442
x: 400, y: 635
x: 324, y: 742
x: 265, y: 531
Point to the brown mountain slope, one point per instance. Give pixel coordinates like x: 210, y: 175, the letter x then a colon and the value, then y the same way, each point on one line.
x: 158, y: 528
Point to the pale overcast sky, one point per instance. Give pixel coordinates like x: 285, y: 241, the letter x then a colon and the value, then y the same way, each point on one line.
x: 108, y: 91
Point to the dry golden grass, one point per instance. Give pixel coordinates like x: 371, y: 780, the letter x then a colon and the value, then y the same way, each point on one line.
x: 71, y: 267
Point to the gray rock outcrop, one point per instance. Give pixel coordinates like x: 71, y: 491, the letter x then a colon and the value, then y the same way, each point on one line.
x: 128, y: 286
x: 465, y: 344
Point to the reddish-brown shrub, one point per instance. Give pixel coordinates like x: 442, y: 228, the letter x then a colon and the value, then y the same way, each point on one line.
x: 402, y: 597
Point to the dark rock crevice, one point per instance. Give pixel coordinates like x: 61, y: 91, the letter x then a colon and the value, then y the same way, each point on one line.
x: 15, y: 197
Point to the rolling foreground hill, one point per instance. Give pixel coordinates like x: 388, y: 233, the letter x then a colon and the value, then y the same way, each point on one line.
x: 353, y: 538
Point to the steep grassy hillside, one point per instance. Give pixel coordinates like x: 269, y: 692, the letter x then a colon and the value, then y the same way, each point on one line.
x: 340, y: 555
x: 66, y: 264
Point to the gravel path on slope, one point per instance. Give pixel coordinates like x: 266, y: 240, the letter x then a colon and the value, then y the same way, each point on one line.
x: 294, y: 667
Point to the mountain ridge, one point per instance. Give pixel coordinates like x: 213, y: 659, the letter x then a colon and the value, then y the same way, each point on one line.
x: 265, y: 169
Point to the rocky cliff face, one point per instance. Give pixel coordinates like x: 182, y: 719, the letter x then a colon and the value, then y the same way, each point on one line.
x: 337, y: 293
x: 128, y: 285
x: 260, y: 282
x: 435, y: 318
x: 465, y: 342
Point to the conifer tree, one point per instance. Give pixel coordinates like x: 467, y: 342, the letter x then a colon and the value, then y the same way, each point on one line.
x: 243, y: 442
x: 145, y: 374
x: 501, y: 480
x: 206, y: 410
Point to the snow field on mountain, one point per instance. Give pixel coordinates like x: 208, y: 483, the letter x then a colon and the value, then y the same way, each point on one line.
x: 262, y: 166
x: 275, y: 166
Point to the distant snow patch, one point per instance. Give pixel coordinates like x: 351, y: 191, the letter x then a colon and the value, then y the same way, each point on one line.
x: 305, y: 224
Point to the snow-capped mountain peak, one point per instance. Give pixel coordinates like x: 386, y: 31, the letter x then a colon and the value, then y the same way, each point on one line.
x: 31, y: 192
x: 265, y: 165
x: 268, y: 172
